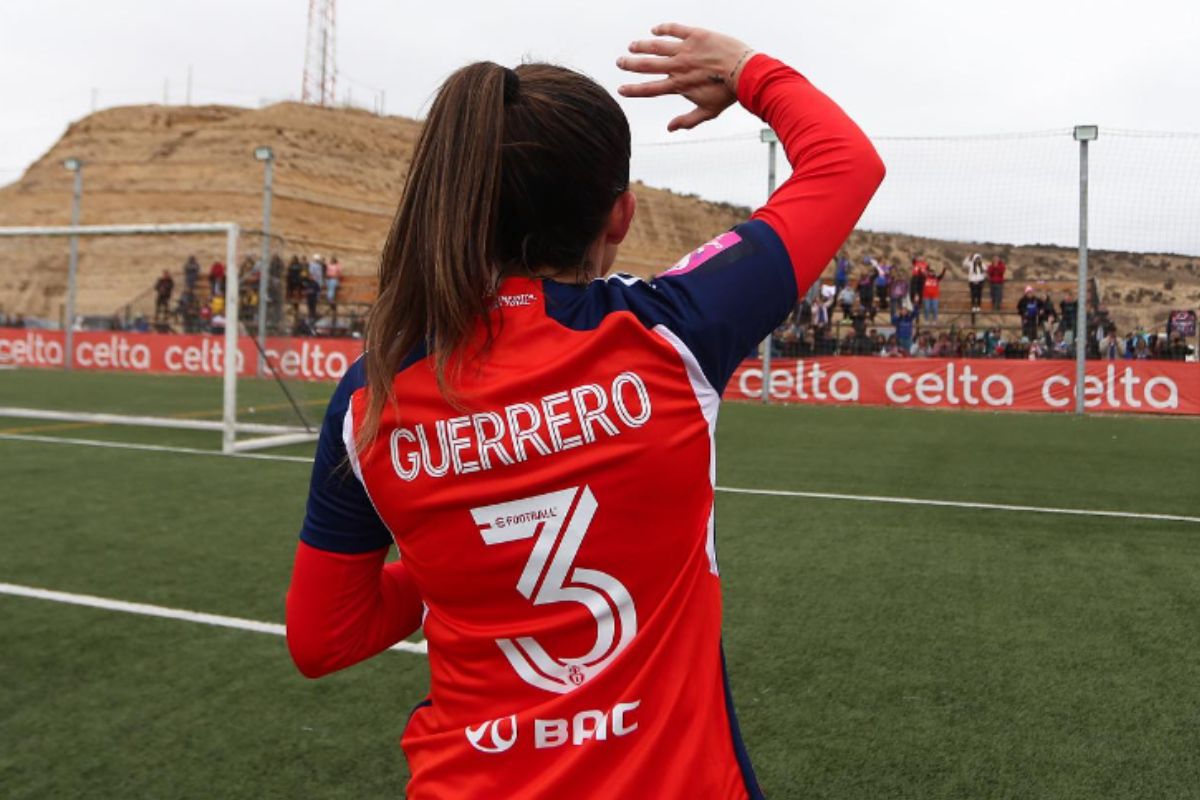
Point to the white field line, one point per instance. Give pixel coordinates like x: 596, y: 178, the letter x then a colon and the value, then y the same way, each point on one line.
x: 91, y: 601
x: 907, y: 501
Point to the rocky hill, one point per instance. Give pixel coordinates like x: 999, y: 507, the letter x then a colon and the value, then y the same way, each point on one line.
x: 337, y: 178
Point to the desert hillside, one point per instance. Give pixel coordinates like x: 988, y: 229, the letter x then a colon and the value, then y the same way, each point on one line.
x: 338, y: 175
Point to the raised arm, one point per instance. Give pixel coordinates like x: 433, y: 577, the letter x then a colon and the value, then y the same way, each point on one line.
x: 835, y: 169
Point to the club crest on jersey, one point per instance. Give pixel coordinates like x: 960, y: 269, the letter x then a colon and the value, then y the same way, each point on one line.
x: 704, y: 252
x: 499, y: 743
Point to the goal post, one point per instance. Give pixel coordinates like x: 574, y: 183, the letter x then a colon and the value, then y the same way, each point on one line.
x: 269, y: 435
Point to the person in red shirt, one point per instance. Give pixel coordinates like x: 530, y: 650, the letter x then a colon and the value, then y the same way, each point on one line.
x: 932, y: 294
x: 216, y: 278
x: 535, y: 435
x: 916, y: 285
x: 995, y: 276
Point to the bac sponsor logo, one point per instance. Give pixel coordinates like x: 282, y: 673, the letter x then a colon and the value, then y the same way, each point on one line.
x: 496, y: 741
x: 500, y: 735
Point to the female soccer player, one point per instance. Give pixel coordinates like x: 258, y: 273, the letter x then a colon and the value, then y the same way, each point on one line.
x: 537, y: 438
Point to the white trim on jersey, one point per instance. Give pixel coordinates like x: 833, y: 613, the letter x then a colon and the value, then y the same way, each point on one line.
x: 710, y: 402
x: 348, y: 443
x: 352, y: 457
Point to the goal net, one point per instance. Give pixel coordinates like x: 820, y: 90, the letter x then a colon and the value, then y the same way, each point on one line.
x: 159, y: 327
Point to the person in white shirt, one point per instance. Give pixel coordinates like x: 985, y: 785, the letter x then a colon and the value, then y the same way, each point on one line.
x: 976, y: 275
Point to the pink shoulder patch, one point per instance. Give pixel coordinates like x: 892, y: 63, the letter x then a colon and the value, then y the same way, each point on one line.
x: 704, y: 252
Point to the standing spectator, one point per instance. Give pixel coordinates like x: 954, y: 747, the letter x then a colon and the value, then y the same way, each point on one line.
x: 822, y: 345
x: 846, y: 301
x: 883, y: 277
x: 1047, y: 314
x: 916, y: 284
x: 316, y: 270
x: 858, y: 321
x: 1029, y: 307
x: 188, y: 310
x: 932, y: 294
x: 312, y: 290
x: 191, y: 273
x: 898, y: 292
x: 827, y: 295
x: 995, y: 276
x: 905, y: 321
x: 163, y: 288
x: 1069, y: 308
x: 866, y: 292
x: 216, y: 278
x: 976, y: 275
x: 841, y: 272
x: 295, y: 279
x: 333, y: 277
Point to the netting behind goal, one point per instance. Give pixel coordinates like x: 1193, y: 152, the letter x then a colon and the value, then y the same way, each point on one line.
x: 1015, y: 196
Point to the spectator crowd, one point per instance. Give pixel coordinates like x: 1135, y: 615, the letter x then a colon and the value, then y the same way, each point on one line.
x: 885, y: 310
x: 315, y: 282
x: 878, y: 309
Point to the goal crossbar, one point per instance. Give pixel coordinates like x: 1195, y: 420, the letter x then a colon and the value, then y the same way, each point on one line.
x: 228, y: 426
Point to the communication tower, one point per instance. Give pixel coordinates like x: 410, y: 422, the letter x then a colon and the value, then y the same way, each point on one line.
x: 320, y: 54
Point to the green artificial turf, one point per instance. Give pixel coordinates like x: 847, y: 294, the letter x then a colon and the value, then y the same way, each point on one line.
x: 874, y: 650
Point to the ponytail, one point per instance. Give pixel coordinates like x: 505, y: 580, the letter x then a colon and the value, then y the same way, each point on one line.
x: 437, y: 270
x: 514, y: 170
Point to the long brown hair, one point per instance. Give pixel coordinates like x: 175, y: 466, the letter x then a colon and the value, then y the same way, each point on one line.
x: 515, y: 170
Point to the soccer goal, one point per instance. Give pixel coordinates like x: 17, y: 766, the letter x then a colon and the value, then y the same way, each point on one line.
x: 95, y: 347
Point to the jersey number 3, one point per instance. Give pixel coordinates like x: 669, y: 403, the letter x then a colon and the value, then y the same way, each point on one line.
x: 557, y: 523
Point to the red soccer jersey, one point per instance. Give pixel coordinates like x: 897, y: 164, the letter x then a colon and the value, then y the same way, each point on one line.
x: 557, y: 523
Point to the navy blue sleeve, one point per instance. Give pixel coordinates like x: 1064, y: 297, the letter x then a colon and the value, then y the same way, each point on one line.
x: 340, y: 517
x: 720, y: 300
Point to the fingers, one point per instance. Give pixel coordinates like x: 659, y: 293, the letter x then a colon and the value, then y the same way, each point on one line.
x: 648, y: 89
x: 672, y: 29
x: 649, y: 66
x: 655, y: 47
x: 691, y: 119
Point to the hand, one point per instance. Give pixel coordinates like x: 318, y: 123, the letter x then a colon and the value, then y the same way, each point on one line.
x: 703, y: 66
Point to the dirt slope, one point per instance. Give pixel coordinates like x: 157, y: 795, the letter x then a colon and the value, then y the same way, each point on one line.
x: 337, y: 179
x: 338, y: 176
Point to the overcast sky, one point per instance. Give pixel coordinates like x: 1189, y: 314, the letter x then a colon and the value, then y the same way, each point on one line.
x: 915, y: 67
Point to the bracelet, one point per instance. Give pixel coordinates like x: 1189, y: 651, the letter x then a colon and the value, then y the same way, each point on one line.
x: 746, y: 54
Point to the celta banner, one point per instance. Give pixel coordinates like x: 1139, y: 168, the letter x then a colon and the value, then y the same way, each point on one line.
x: 1142, y: 387
x: 294, y: 358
